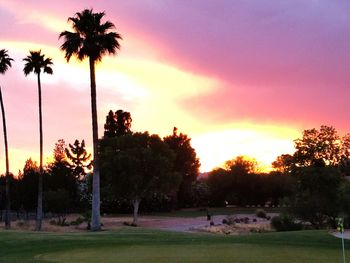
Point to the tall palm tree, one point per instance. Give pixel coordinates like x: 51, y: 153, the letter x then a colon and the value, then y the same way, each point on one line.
x: 5, y: 63
x: 91, y: 39
x: 37, y: 63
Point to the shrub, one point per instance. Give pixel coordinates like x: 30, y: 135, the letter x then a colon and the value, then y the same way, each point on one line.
x: 129, y: 224
x: 285, y: 223
x: 78, y: 221
x: 260, y: 213
x: 229, y: 220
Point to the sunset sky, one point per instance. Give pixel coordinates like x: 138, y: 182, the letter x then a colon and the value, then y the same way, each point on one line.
x: 241, y: 77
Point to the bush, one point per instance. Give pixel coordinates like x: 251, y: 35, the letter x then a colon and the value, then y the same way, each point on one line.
x: 285, y: 223
x: 129, y: 224
x: 78, y: 221
x: 229, y: 220
x: 260, y: 213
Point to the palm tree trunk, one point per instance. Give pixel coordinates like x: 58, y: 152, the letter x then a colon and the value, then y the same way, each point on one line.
x: 95, y: 214
x: 39, y: 213
x: 7, y: 189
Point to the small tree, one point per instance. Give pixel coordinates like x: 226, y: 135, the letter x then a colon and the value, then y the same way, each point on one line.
x: 78, y: 159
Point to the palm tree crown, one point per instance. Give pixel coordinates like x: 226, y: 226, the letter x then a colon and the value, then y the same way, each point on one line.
x: 36, y: 62
x: 90, y: 37
x: 5, y: 61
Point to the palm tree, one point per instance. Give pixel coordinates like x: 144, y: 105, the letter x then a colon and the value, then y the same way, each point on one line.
x: 36, y: 62
x: 91, y: 39
x: 5, y: 63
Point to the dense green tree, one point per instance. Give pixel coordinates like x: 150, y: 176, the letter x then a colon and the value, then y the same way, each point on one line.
x: 28, y: 185
x: 37, y: 63
x: 138, y: 165
x: 58, y: 202
x: 186, y: 164
x: 240, y: 183
x: 317, y: 199
x: 91, y: 39
x: 60, y: 176
x: 5, y: 63
x: 117, y: 124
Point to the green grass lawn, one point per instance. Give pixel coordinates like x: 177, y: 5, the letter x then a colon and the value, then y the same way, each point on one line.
x: 141, y: 245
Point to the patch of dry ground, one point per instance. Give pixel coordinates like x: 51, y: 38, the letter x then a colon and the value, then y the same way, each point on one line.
x: 193, y: 224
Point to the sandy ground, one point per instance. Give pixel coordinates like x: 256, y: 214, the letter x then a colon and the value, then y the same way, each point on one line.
x: 192, y: 224
x: 346, y: 234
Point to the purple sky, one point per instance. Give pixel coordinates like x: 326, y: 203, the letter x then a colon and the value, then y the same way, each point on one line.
x: 214, y: 65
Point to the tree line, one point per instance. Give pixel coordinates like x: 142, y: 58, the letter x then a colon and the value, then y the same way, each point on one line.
x: 135, y: 167
x: 144, y: 172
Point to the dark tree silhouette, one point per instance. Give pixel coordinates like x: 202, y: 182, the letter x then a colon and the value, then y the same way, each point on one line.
x: 91, y: 39
x: 37, y: 63
x: 318, y: 147
x: 138, y: 165
x: 60, y: 179
x: 5, y: 63
x: 28, y: 183
x: 186, y: 164
x: 117, y: 124
x: 78, y: 159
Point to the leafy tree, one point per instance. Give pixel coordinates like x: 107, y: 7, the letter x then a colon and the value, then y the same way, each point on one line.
x: 60, y: 176
x: 242, y: 165
x: 317, y: 199
x: 138, y: 165
x: 318, y: 147
x: 37, y: 63
x: 284, y: 163
x: 186, y: 164
x: 240, y: 183
x: 58, y: 201
x: 78, y: 159
x: 59, y: 151
x: 28, y: 185
x: 117, y: 124
x: 91, y: 39
x: 200, y: 193
x: 323, y: 147
x: 345, y: 155
x: 5, y: 63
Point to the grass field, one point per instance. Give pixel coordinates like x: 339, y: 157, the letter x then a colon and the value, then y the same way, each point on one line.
x: 141, y: 245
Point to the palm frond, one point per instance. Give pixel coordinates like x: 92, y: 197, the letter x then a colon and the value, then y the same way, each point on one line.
x: 35, y: 62
x: 5, y: 61
x: 90, y: 37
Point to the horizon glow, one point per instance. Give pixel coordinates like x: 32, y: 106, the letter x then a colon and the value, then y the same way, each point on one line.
x: 240, y: 78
